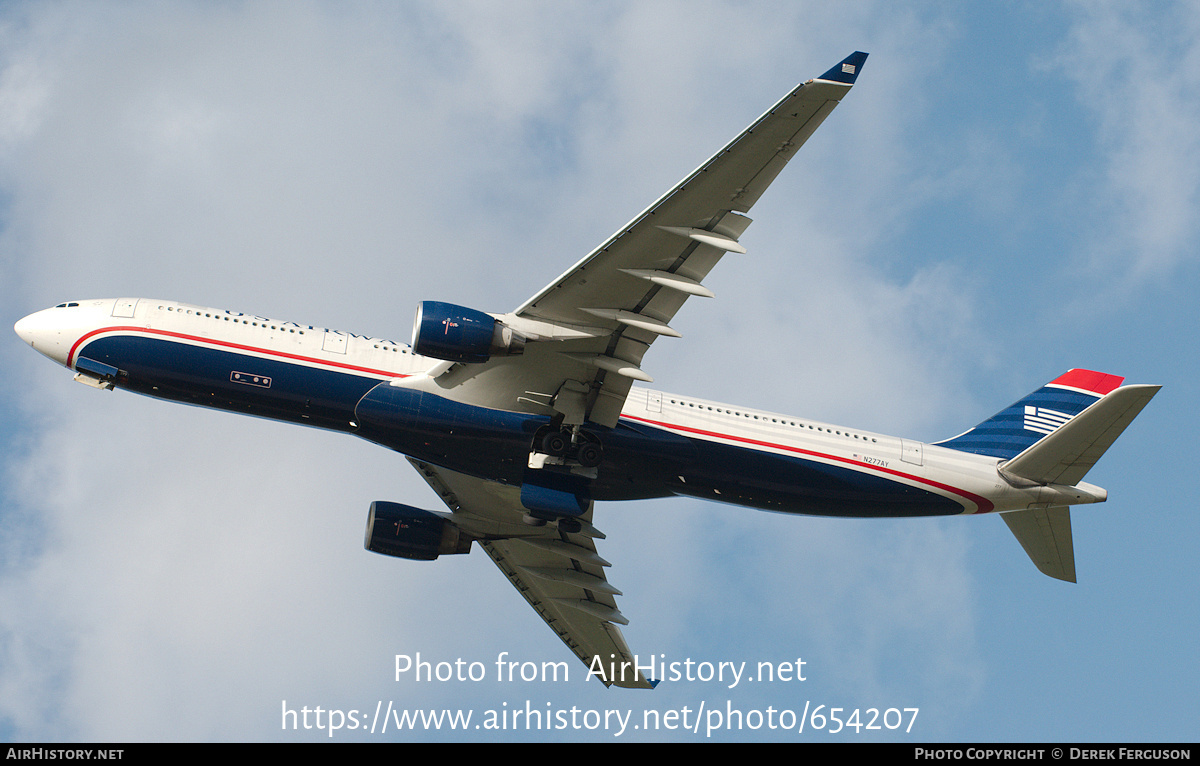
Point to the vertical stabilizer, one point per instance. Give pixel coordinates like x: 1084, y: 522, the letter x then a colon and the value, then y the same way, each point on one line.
x: 1018, y: 426
x: 1053, y: 437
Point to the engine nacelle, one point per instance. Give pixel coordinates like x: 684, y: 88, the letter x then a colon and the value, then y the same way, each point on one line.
x: 411, y: 533
x: 459, y: 334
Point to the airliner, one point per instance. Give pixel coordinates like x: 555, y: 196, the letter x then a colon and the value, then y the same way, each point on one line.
x: 522, y: 422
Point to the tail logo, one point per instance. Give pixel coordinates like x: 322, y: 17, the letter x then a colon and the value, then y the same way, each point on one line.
x: 1044, y: 420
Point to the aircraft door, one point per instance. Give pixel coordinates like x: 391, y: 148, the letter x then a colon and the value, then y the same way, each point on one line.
x: 912, y: 452
x: 124, y: 307
x: 653, y: 401
x: 335, y: 342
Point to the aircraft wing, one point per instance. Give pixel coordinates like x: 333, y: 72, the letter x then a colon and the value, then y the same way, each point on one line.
x: 583, y: 339
x: 561, y: 575
x: 604, y: 312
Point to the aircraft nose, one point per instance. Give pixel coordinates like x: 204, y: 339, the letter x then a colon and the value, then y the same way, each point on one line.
x: 22, y: 328
x: 43, y: 334
x: 27, y: 328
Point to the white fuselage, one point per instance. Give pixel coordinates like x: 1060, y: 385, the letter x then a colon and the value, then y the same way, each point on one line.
x: 311, y: 375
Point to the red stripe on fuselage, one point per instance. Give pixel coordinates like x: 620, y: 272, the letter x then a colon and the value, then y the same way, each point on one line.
x: 982, y: 503
x: 228, y: 344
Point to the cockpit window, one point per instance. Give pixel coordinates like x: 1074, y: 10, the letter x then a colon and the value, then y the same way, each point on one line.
x: 66, y: 305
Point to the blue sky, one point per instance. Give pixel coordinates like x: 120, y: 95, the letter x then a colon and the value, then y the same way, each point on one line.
x: 1008, y: 192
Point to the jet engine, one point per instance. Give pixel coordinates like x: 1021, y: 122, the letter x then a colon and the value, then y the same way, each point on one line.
x: 411, y: 533
x: 459, y: 334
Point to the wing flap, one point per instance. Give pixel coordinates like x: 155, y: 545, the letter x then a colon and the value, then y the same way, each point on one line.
x: 581, y: 615
x: 623, y: 295
x: 680, y: 237
x: 750, y: 193
x: 560, y: 574
x: 709, y: 200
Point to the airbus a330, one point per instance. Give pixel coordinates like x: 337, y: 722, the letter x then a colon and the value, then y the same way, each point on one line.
x: 522, y: 421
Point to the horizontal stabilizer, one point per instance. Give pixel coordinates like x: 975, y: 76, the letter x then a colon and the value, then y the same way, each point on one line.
x: 1045, y: 534
x: 1066, y: 454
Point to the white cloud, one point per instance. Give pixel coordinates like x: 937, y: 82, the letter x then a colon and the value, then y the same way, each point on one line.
x: 1138, y: 73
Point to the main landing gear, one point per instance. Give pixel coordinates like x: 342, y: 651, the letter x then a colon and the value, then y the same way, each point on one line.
x: 567, y: 447
x: 562, y: 463
x: 564, y: 523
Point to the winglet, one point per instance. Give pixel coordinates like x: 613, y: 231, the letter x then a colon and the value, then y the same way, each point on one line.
x: 847, y: 70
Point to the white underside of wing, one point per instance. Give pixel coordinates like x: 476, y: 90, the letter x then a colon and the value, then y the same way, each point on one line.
x: 560, y: 574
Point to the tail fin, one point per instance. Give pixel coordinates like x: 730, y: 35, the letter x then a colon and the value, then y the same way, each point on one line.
x: 1054, y: 436
x: 1020, y: 425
